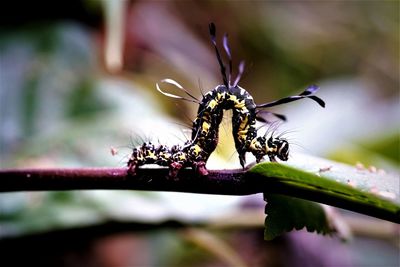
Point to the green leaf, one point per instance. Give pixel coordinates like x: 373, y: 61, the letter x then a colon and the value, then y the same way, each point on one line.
x: 365, y: 190
x: 287, y: 213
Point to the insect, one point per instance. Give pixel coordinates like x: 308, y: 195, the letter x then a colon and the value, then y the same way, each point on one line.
x: 204, y: 138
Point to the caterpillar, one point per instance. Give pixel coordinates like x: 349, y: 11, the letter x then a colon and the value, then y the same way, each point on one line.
x: 204, y: 138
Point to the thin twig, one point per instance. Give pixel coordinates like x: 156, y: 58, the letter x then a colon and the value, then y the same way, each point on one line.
x: 230, y: 182
x: 222, y: 182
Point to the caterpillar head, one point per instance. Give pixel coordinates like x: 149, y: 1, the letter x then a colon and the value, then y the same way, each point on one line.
x: 273, y: 147
x: 278, y: 147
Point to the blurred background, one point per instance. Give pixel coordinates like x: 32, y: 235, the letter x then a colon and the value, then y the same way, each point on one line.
x: 77, y: 82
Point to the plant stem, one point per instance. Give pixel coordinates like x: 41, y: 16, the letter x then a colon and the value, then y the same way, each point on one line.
x: 222, y: 182
x: 230, y: 182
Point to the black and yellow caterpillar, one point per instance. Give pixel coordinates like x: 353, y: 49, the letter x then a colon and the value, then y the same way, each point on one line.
x: 204, y: 139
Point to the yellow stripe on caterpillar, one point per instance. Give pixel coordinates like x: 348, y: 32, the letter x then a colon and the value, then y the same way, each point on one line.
x: 182, y: 157
x: 240, y: 104
x: 205, y: 127
x: 212, y: 104
x: 220, y: 96
x: 270, y: 149
x: 244, y: 123
x: 196, y: 149
x: 151, y: 154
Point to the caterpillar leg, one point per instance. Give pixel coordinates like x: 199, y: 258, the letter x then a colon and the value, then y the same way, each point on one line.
x: 174, y: 169
x: 242, y: 159
x: 272, y: 158
x: 132, y: 168
x: 135, y: 161
x: 133, y: 164
x: 200, y: 168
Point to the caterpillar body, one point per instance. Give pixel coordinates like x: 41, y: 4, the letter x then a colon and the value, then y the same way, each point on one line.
x: 204, y: 139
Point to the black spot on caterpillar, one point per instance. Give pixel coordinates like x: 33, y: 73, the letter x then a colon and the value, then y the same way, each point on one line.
x: 204, y: 139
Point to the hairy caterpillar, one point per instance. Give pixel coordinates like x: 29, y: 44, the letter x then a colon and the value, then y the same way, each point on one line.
x: 204, y: 139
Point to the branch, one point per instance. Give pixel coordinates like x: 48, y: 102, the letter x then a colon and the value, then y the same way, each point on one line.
x: 222, y: 182
x: 230, y: 182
